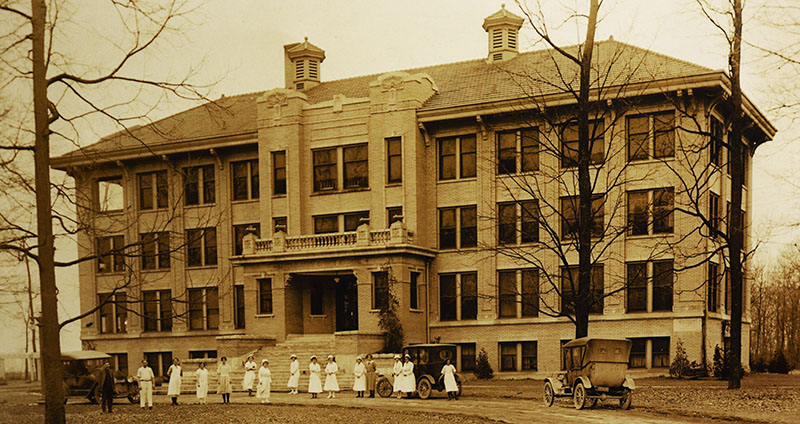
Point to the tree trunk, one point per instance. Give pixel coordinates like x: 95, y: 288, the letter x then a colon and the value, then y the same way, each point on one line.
x: 49, y: 335
x: 584, y: 297
x: 735, y: 234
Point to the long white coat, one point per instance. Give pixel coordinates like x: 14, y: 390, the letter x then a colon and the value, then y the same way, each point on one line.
x: 360, y: 382
x: 224, y: 379
x: 449, y: 373
x: 331, y: 383
x: 202, y: 382
x: 397, y: 372
x: 294, y: 375
x: 249, y: 375
x: 264, y: 383
x: 174, y: 388
x: 314, y: 382
x: 409, y: 382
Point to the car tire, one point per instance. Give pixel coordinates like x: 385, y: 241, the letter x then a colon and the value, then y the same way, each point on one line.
x: 424, y: 388
x: 625, y: 400
x: 384, y: 387
x: 579, y: 396
x: 549, y: 394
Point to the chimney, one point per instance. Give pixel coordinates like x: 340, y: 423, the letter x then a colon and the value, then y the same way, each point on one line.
x: 301, y: 65
x: 503, y: 30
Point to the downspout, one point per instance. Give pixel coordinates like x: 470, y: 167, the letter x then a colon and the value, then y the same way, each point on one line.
x: 427, y: 300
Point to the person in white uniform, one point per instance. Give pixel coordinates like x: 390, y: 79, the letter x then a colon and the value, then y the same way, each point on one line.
x: 331, y: 383
x: 145, y: 378
x: 250, y: 368
x: 449, y: 375
x: 225, y: 387
x: 397, y: 374
x: 294, y: 375
x: 202, y: 382
x: 175, y: 373
x: 409, y: 381
x: 264, y: 381
x: 360, y: 382
x: 314, y: 382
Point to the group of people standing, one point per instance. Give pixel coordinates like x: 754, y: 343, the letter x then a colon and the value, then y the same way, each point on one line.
x: 145, y: 377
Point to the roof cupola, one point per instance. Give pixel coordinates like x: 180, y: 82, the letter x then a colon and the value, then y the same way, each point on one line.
x: 503, y: 30
x: 301, y: 63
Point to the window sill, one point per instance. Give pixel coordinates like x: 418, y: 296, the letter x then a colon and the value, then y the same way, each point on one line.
x: 648, y: 236
x: 518, y: 174
x: 110, y: 274
x: 342, y: 191
x: 415, y: 310
x: 110, y: 213
x: 153, y: 210
x: 279, y: 196
x: 200, y: 206
x: 234, y: 202
x: 200, y: 267
x: 318, y: 316
x: 458, y: 250
x: 395, y: 184
x: 265, y: 315
x: 155, y: 271
x: 650, y: 161
x: 155, y: 333
x: 456, y: 180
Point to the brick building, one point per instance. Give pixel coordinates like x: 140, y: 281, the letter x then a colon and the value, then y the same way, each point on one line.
x: 283, y: 216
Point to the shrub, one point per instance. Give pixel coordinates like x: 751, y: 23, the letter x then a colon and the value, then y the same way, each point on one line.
x: 483, y: 370
x: 779, y: 364
x: 390, y: 323
x: 758, y: 365
x: 720, y: 370
x: 680, y: 365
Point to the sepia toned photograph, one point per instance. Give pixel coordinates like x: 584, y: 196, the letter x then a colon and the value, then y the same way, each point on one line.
x: 442, y: 211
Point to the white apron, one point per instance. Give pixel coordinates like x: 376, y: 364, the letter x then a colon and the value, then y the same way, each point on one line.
x: 294, y: 375
x: 397, y: 372
x: 331, y: 384
x: 174, y: 388
x: 409, y: 383
x: 449, y: 373
x: 202, y: 383
x: 249, y: 375
x: 360, y: 382
x: 264, y: 383
x: 314, y: 382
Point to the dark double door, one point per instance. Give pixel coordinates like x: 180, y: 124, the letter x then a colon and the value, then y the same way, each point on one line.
x: 346, y: 303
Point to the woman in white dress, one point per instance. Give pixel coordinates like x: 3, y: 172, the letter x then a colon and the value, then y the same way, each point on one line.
x: 294, y: 375
x: 264, y: 381
x: 449, y: 375
x: 202, y: 382
x: 360, y: 382
x: 397, y: 373
x: 225, y: 387
x: 249, y: 375
x: 331, y: 383
x: 175, y: 373
x: 314, y: 382
x: 409, y: 381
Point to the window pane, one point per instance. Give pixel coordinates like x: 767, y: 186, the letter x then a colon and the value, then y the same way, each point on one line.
x: 146, y: 191
x: 118, y: 243
x: 209, y: 185
x: 508, y: 356
x: 356, y: 169
x: 637, y: 287
x: 507, y: 152
x: 664, y: 129
x: 394, y: 214
x: 569, y: 218
x: 238, y: 235
x: 662, y: 210
x: 660, y: 347
x: 447, y: 297
x: 530, y: 293
x: 148, y: 250
x: 380, y: 289
x: 353, y: 220
x: 637, y: 212
x: 447, y: 228
x: 238, y: 300
x: 569, y: 146
x: 162, y: 191
x: 507, y: 281
x: 469, y: 226
x: 638, y: 353
x: 326, y: 224
x: 265, y: 296
x: 210, y: 241
x: 569, y: 285
x: 194, y: 247
x: 507, y: 220
x: 239, y: 177
x: 530, y: 149
x: 394, y: 160
x: 662, y: 285
x: 598, y: 289
x: 325, y: 169
x: 469, y: 296
x: 165, y: 304
x: 196, y: 309
x: 530, y: 221
x: 413, y: 301
x: 110, y: 195
x: 279, y: 172
x: 530, y: 356
x: 254, y: 184
x: 467, y: 356
x: 447, y: 159
x: 468, y: 168
x: 212, y: 308
x: 164, y: 250
x: 150, y: 311
x: 638, y: 128
x: 280, y: 224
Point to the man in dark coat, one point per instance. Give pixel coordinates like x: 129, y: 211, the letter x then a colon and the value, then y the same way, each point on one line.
x: 107, y: 387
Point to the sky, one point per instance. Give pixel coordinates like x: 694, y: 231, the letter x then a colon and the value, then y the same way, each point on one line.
x: 235, y: 46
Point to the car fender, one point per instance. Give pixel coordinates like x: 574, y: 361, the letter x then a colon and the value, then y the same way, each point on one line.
x: 558, y: 386
x: 585, y: 380
x: 629, y: 383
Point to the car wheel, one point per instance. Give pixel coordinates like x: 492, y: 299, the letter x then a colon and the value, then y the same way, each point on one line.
x: 625, y: 401
x: 549, y: 394
x: 133, y: 398
x: 424, y: 388
x: 384, y: 387
x: 579, y: 396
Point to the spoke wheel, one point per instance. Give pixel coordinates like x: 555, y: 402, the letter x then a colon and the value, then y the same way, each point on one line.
x: 424, y: 388
x: 384, y: 387
x: 579, y: 396
x: 625, y: 401
x: 549, y: 394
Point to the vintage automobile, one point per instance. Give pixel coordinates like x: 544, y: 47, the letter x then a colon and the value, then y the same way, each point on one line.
x: 82, y: 377
x: 595, y: 370
x: 428, y: 362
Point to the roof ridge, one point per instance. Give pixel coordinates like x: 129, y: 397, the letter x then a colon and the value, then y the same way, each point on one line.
x: 654, y: 52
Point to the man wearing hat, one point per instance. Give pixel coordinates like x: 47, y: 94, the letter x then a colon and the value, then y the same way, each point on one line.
x: 360, y: 382
x: 397, y: 373
x: 314, y: 382
x: 294, y: 375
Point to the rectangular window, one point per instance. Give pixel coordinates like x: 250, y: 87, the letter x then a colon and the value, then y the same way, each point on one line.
x: 507, y: 152
x: 245, y: 180
x: 447, y: 158
x: 106, y: 312
x: 238, y: 306
x: 279, y: 172
x: 447, y: 297
x: 394, y: 160
x: 149, y: 197
x: 353, y: 220
x: 394, y: 214
x: 199, y: 186
x: 201, y: 247
x: 637, y: 212
x: 356, y: 166
x: 469, y: 226
x: 638, y: 357
x: 238, y: 235
x: 713, y: 287
x: 113, y: 313
x: 569, y: 216
x: 202, y: 354
x: 110, y: 254
x: 569, y: 280
x: 507, y: 223
x: 380, y: 289
x: 325, y: 172
x: 159, y: 362
x: 203, y: 309
x: 155, y: 250
x: 469, y: 296
x: 638, y: 140
x: 110, y: 195
x: 664, y: 134
x: 640, y: 211
x: 529, y: 139
x: 662, y: 127
x: 507, y: 282
x: 121, y: 312
x: 157, y: 310
x: 316, y: 300
x: 530, y: 355
x: 264, y: 296
x: 663, y: 199
x: 326, y: 224
x: 468, y: 355
x: 457, y: 153
x: 413, y: 300
x: 713, y: 213
x: 518, y: 149
x: 530, y: 292
x: 467, y: 219
x: 162, y: 189
x: 662, y: 285
x: 715, y: 142
x: 279, y: 223
x: 468, y: 156
x: 508, y: 356
x: 120, y: 363
x: 637, y: 287
x: 146, y: 191
x: 660, y: 347
x: 530, y: 221
x: 569, y: 144
x: 447, y: 228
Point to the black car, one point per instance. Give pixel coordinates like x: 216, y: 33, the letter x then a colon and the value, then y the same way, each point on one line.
x: 81, y: 370
x: 428, y: 362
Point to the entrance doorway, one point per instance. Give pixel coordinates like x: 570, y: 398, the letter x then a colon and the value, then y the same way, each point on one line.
x: 346, y: 303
